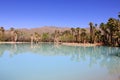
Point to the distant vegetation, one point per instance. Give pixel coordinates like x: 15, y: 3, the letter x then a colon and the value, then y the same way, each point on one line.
x: 106, y: 33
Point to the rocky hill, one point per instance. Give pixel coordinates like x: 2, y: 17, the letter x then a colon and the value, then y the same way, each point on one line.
x: 45, y: 29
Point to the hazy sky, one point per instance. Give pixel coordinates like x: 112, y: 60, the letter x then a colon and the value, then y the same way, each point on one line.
x: 61, y: 13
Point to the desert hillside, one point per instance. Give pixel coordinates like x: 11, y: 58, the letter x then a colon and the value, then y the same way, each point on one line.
x: 45, y: 29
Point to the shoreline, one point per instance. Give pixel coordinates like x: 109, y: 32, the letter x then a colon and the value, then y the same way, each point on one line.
x: 82, y: 44
x: 67, y: 44
x: 12, y: 42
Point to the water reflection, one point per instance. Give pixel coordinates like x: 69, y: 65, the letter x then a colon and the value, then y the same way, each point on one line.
x: 105, y: 56
x: 76, y: 53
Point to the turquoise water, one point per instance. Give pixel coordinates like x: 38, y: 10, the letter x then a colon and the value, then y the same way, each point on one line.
x: 47, y: 61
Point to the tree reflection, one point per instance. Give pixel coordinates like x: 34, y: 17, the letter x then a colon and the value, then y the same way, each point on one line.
x: 105, y: 56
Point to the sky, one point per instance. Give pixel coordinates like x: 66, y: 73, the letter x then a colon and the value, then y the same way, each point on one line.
x: 60, y: 13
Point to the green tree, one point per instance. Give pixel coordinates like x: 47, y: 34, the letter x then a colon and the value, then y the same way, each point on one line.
x: 21, y: 36
x: 32, y: 38
x: 37, y: 37
x: 56, y: 36
x: 91, y: 32
x: 2, y: 30
x: 97, y: 38
x: 67, y: 35
x: 77, y: 34
x: 16, y: 33
x: 112, y: 27
x: 103, y: 27
x: 73, y: 33
x: 12, y: 30
x: 45, y: 37
x: 83, y: 35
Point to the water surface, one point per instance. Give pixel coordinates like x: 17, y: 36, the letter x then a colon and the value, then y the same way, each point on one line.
x: 47, y: 61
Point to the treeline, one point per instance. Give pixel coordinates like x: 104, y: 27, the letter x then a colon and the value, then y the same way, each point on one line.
x: 106, y: 33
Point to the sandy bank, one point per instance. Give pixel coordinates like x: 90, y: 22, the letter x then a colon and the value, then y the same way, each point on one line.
x: 67, y: 44
x: 12, y: 42
x: 82, y: 44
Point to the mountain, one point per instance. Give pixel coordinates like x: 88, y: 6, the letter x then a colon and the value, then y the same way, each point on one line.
x: 45, y: 29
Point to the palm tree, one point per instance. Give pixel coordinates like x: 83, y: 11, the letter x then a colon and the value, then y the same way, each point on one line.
x: 77, y: 34
x: 2, y: 30
x: 56, y: 36
x: 91, y: 32
x: 45, y: 37
x: 97, y: 36
x: 117, y: 35
x: 118, y: 32
x: 67, y: 35
x: 37, y: 37
x: 73, y: 32
x: 12, y: 30
x: 32, y: 38
x: 112, y: 27
x: 103, y: 27
x: 15, y: 35
x: 22, y: 35
x: 83, y: 35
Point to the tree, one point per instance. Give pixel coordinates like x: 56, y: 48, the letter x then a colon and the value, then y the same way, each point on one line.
x: 2, y: 30
x: 56, y: 36
x: 77, y: 34
x: 73, y: 32
x: 21, y: 36
x: 12, y: 33
x: 15, y: 35
x: 83, y: 35
x: 97, y: 36
x: 112, y: 27
x: 103, y: 27
x: 67, y: 36
x: 31, y: 38
x: 45, y: 37
x: 118, y: 32
x: 91, y: 32
x: 37, y: 37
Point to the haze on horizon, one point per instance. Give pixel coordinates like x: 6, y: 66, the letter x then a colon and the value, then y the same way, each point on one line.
x: 60, y: 13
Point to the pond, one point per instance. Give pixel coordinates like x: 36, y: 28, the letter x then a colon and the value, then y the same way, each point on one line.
x: 46, y: 61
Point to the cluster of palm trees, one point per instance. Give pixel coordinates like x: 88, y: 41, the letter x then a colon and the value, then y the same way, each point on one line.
x: 106, y: 33
x: 9, y: 35
x: 35, y: 37
x: 111, y: 32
